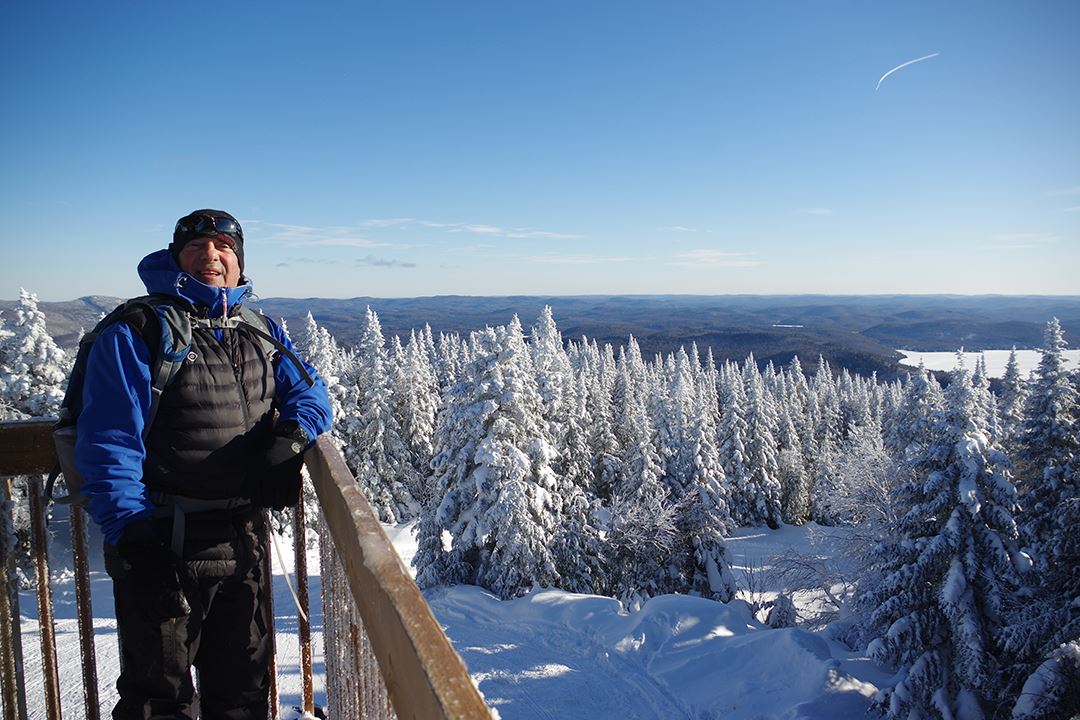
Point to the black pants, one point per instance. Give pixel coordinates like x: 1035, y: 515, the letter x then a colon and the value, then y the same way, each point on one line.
x: 225, y: 636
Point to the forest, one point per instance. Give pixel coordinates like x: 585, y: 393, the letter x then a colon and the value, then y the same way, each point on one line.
x: 529, y: 460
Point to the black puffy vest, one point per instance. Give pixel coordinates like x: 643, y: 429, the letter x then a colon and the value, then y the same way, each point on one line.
x: 215, y: 418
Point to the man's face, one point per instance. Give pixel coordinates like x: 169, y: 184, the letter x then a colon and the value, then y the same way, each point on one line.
x: 211, y: 261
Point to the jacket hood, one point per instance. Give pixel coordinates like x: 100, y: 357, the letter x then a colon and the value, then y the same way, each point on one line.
x: 160, y: 274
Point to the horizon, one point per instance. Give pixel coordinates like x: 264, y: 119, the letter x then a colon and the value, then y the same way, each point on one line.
x: 489, y: 150
x: 258, y: 298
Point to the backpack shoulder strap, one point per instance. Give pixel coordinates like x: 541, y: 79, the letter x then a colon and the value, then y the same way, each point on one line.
x: 173, y: 345
x: 165, y: 328
x: 259, y: 325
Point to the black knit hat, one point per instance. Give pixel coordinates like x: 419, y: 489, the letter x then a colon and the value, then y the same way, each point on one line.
x: 208, y: 223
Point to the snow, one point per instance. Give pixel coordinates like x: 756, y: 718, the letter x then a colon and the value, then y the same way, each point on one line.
x: 554, y: 654
x: 1027, y: 360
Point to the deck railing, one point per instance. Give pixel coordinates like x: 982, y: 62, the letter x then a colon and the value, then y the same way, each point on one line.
x: 385, y: 654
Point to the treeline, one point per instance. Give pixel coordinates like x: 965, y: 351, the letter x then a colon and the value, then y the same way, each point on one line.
x: 526, y: 460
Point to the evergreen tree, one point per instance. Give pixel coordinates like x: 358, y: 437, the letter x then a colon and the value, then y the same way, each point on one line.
x: 732, y: 444
x: 578, y: 553
x: 761, y: 447
x: 1011, y: 404
x: 419, y: 393
x: 1049, y: 444
x: 793, y: 476
x: 937, y: 611
x: 1046, y: 622
x: 377, y: 450
x: 912, y: 428
x: 493, y: 469
x: 33, y: 368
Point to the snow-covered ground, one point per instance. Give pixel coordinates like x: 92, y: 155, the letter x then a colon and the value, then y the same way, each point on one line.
x: 553, y: 654
x: 1028, y: 360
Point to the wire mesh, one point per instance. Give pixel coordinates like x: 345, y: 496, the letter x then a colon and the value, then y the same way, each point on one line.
x: 354, y: 685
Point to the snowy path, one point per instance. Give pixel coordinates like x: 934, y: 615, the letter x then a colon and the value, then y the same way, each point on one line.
x: 553, y: 654
x: 524, y: 659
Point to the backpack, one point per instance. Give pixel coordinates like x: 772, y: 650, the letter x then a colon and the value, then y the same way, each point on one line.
x: 169, y: 347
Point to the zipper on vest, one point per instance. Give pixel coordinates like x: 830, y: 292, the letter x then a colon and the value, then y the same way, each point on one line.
x: 236, y: 356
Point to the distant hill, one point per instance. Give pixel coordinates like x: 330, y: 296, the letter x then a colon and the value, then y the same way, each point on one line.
x: 860, y: 333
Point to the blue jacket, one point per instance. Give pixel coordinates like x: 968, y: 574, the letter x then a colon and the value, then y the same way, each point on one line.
x: 116, y: 399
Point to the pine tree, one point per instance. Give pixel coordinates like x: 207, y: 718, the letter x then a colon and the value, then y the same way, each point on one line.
x: 1045, y: 624
x: 1049, y: 444
x: 732, y: 441
x: 33, y: 368
x: 936, y: 613
x: 761, y: 448
x: 376, y: 450
x: 577, y: 543
x: 793, y: 476
x: 419, y: 395
x: 493, y: 470
x: 912, y: 427
x: 703, y: 518
x: 1011, y: 404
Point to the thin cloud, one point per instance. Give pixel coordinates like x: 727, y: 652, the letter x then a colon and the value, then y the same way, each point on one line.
x: 309, y: 235
x: 1070, y: 191
x: 575, y: 259
x: 482, y: 229
x: 680, y: 228
x: 517, y: 233
x: 820, y: 211
x: 1074, y: 208
x: 387, y: 222
x: 1021, y: 241
x: 715, y: 259
x: 356, y: 242
x: 902, y: 66
x: 382, y: 262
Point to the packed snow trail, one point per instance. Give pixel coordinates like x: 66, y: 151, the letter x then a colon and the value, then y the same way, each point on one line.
x: 550, y: 654
x: 553, y: 654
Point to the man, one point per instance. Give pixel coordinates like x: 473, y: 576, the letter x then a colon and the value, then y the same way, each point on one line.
x: 179, y: 501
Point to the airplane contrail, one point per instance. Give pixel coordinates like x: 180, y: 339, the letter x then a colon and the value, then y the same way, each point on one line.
x: 904, y: 65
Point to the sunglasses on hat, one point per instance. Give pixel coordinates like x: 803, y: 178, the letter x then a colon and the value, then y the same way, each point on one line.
x: 199, y: 225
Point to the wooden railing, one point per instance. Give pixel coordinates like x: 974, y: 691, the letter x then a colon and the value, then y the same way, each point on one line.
x: 385, y: 641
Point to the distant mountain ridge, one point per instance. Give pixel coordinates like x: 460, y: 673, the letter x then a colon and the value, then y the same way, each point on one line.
x: 860, y: 333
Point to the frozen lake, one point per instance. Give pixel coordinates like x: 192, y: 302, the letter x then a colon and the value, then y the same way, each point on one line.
x: 995, y: 360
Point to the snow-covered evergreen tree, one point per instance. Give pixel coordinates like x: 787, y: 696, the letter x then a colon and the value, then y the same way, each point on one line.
x: 1049, y: 445
x: 732, y: 441
x: 493, y: 470
x: 375, y: 447
x: 33, y: 368
x: 761, y: 449
x: 419, y: 393
x: 577, y: 543
x: 1045, y: 624
x: 936, y: 612
x: 912, y: 427
x: 1011, y: 404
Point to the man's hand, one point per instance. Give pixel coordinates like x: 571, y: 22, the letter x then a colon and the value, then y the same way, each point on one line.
x: 278, y: 481
x: 151, y: 565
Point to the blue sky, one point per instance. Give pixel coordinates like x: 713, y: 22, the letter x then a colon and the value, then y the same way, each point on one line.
x: 400, y: 148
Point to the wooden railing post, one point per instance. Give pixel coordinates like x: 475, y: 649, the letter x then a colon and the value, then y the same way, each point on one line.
x: 303, y: 616
x: 11, y: 658
x: 84, y: 608
x: 46, y: 626
x: 267, y: 566
x: 424, y: 677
